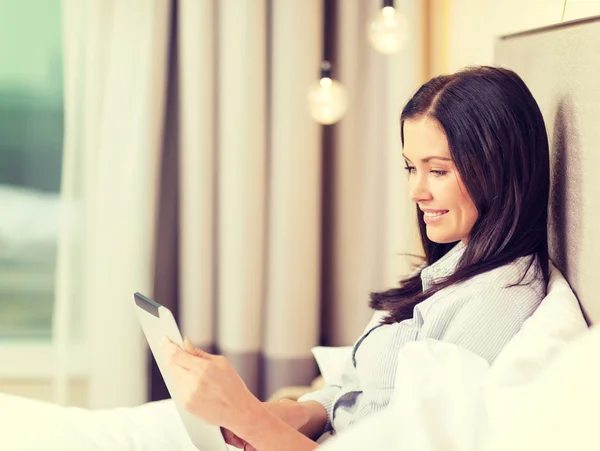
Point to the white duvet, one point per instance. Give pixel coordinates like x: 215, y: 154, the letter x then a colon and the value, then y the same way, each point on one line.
x: 28, y: 425
x: 557, y: 410
x: 540, y: 394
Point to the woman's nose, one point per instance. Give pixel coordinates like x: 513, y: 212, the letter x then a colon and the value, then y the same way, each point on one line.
x: 419, y: 191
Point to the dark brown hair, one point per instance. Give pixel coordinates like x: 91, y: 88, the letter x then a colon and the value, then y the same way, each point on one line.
x: 499, y: 144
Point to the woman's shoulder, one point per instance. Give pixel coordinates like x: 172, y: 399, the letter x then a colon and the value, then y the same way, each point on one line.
x: 519, y: 283
x: 521, y: 272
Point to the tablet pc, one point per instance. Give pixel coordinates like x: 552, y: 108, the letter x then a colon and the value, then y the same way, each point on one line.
x: 157, y: 322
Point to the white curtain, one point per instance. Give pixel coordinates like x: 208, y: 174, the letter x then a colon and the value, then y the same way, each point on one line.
x: 252, y: 282
x: 255, y: 273
x: 249, y: 182
x: 114, y: 53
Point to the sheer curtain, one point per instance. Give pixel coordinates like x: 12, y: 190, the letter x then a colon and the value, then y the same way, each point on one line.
x: 249, y: 185
x: 280, y: 233
x: 114, y: 100
x: 196, y: 175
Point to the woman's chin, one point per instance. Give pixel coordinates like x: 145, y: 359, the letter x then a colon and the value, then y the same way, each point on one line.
x: 439, y: 237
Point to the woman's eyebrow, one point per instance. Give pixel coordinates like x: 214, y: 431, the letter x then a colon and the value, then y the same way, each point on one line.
x: 426, y: 159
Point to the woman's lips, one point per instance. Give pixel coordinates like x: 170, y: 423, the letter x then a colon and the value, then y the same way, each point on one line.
x: 433, y: 216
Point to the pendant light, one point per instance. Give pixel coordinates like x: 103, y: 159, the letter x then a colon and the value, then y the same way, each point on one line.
x: 388, y: 31
x: 328, y: 99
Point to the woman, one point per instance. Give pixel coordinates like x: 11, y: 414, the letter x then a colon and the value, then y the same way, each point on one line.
x: 476, y: 154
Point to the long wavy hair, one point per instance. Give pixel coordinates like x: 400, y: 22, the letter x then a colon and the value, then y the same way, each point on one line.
x: 498, y: 141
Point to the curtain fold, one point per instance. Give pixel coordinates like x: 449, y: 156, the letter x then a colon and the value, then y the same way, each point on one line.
x: 293, y: 273
x: 242, y: 183
x: 122, y: 221
x: 115, y: 94
x: 197, y: 66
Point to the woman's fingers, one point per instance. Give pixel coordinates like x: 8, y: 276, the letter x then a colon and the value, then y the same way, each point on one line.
x: 208, y: 387
x: 177, y: 356
x: 181, y: 376
x: 189, y: 347
x: 232, y: 439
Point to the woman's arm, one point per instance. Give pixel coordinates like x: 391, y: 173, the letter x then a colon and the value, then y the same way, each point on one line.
x: 210, y: 388
x: 266, y: 432
x: 309, y: 418
x: 317, y: 419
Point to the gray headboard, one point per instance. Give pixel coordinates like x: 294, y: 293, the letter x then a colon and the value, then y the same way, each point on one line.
x: 561, y: 66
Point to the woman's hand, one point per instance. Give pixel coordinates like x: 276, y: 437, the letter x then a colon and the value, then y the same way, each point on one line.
x: 209, y: 388
x: 290, y: 412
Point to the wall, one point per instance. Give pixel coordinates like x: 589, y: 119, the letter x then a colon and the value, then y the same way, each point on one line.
x: 472, y: 25
x: 561, y: 68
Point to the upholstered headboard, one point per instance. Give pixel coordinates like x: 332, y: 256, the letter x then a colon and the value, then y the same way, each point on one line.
x: 561, y: 66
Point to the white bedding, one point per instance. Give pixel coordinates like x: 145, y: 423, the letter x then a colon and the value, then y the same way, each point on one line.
x: 557, y: 411
x: 28, y: 425
x: 447, y: 398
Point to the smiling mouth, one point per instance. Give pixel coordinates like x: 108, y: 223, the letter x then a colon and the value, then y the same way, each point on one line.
x: 433, y: 217
x: 433, y: 214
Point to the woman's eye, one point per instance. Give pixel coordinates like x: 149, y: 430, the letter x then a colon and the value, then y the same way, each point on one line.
x: 439, y: 173
x: 410, y: 169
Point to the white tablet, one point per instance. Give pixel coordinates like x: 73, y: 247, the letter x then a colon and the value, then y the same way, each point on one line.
x: 157, y: 322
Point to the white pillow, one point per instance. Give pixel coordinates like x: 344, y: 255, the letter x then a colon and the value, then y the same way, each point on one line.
x: 543, y: 336
x: 525, y: 360
x: 559, y: 410
x: 331, y: 361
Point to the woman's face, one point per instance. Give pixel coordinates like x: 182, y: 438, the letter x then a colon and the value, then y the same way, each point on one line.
x: 435, y: 184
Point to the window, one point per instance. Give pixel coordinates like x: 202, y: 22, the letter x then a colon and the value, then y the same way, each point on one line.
x: 31, y: 138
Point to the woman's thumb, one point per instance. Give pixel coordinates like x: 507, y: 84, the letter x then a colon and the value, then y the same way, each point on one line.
x: 191, y: 349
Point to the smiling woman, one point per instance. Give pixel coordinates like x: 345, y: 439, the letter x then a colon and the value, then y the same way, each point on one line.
x: 495, y: 184
x: 435, y: 184
x: 476, y: 152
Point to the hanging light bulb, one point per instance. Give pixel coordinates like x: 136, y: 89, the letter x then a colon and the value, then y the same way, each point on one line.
x: 327, y: 99
x: 388, y: 31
